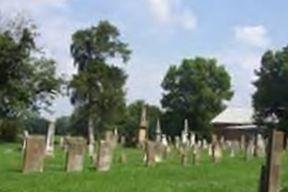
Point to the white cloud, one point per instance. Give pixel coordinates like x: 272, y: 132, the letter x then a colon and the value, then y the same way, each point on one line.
x: 252, y: 35
x: 173, y: 12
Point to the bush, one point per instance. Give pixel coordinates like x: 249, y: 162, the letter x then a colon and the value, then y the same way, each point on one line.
x: 8, y: 130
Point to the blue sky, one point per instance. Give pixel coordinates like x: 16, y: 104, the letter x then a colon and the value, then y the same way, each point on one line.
x: 162, y: 33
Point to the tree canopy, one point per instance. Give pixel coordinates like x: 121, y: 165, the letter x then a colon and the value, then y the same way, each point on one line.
x: 195, y: 90
x: 98, y: 87
x: 271, y: 94
x: 28, y: 80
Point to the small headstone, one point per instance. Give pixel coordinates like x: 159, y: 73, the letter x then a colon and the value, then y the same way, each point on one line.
x: 150, y: 153
x: 105, y: 156
x: 249, y: 150
x: 75, y: 154
x: 216, y: 152
x: 160, y: 152
x: 184, y: 134
x: 184, y: 156
x: 50, y: 139
x: 25, y: 136
x: 177, y: 142
x: 196, y: 155
x: 34, y: 154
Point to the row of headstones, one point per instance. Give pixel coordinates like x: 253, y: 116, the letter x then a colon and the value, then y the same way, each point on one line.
x: 35, y: 152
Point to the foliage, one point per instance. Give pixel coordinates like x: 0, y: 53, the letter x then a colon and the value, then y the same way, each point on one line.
x: 195, y: 91
x: 28, y: 81
x: 8, y: 130
x: 35, y: 124
x: 62, y: 125
x: 97, y: 88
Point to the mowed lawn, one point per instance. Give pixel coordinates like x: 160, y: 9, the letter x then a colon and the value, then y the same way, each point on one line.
x: 231, y: 175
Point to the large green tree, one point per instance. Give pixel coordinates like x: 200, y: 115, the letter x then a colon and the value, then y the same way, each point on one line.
x: 98, y: 85
x: 271, y: 96
x: 195, y: 90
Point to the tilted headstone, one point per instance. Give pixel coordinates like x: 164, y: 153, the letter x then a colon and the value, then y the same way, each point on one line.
x: 34, y: 154
x: 50, y: 139
x: 75, y: 153
x: 105, y: 156
x: 150, y: 153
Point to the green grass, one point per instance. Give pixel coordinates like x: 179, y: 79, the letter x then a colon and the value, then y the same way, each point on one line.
x: 231, y: 175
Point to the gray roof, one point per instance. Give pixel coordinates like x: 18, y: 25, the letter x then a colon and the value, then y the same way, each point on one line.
x: 233, y: 115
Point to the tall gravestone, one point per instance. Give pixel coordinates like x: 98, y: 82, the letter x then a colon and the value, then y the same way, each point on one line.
x: 105, y: 156
x: 270, y: 173
x: 158, y: 131
x: 25, y: 136
x: 142, y: 134
x: 50, y: 139
x: 34, y: 154
x: 75, y: 154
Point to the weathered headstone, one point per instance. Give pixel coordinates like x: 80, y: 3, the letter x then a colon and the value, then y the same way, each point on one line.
x: 150, y: 153
x: 271, y: 172
x: 142, y: 135
x: 184, y: 156
x: 192, y: 139
x: 216, y: 152
x: 260, y: 147
x: 158, y: 131
x: 25, y: 136
x: 105, y: 156
x: 196, y: 155
x: 160, y: 152
x: 249, y: 149
x: 75, y: 154
x: 50, y: 139
x: 34, y: 154
x: 177, y: 142
x: 185, y: 132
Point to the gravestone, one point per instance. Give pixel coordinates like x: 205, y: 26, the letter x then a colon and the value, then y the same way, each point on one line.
x: 25, y: 136
x: 192, y: 139
x: 260, y: 147
x: 160, y: 152
x: 105, y: 156
x: 34, y: 154
x: 270, y: 173
x: 216, y: 152
x: 177, y: 142
x: 184, y: 134
x: 196, y: 155
x: 75, y: 154
x: 150, y: 153
x: 50, y: 139
x: 158, y: 131
x: 249, y: 149
x: 184, y: 156
x: 142, y: 134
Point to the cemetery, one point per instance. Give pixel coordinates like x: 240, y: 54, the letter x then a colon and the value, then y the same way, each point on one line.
x: 137, y: 96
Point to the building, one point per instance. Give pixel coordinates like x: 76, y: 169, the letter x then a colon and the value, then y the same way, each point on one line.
x: 233, y: 122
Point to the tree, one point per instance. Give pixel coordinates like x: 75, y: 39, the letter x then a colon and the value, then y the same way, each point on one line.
x: 98, y: 86
x: 195, y: 91
x: 28, y: 81
x: 129, y: 127
x: 271, y: 96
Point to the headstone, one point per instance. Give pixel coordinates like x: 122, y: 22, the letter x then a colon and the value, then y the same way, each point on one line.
x: 25, y: 136
x: 105, y: 156
x: 91, y: 138
x: 184, y: 134
x: 160, y: 152
x: 150, y: 153
x: 111, y: 138
x: 210, y: 149
x: 260, y: 148
x: 216, y: 152
x: 50, y: 139
x: 75, y: 154
x: 184, y: 156
x: 271, y: 172
x: 34, y: 154
x: 142, y: 135
x: 249, y: 150
x: 196, y: 155
x: 242, y: 143
x: 158, y: 131
x: 177, y: 142
x: 192, y: 139
x: 61, y: 142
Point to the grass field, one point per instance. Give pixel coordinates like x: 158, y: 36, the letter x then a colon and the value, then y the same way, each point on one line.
x: 231, y: 175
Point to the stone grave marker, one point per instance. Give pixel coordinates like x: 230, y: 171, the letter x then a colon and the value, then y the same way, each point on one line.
x: 50, y: 139
x: 142, y: 134
x: 75, y: 154
x: 105, y: 156
x: 216, y: 152
x: 270, y: 173
x: 150, y: 153
x: 34, y: 154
